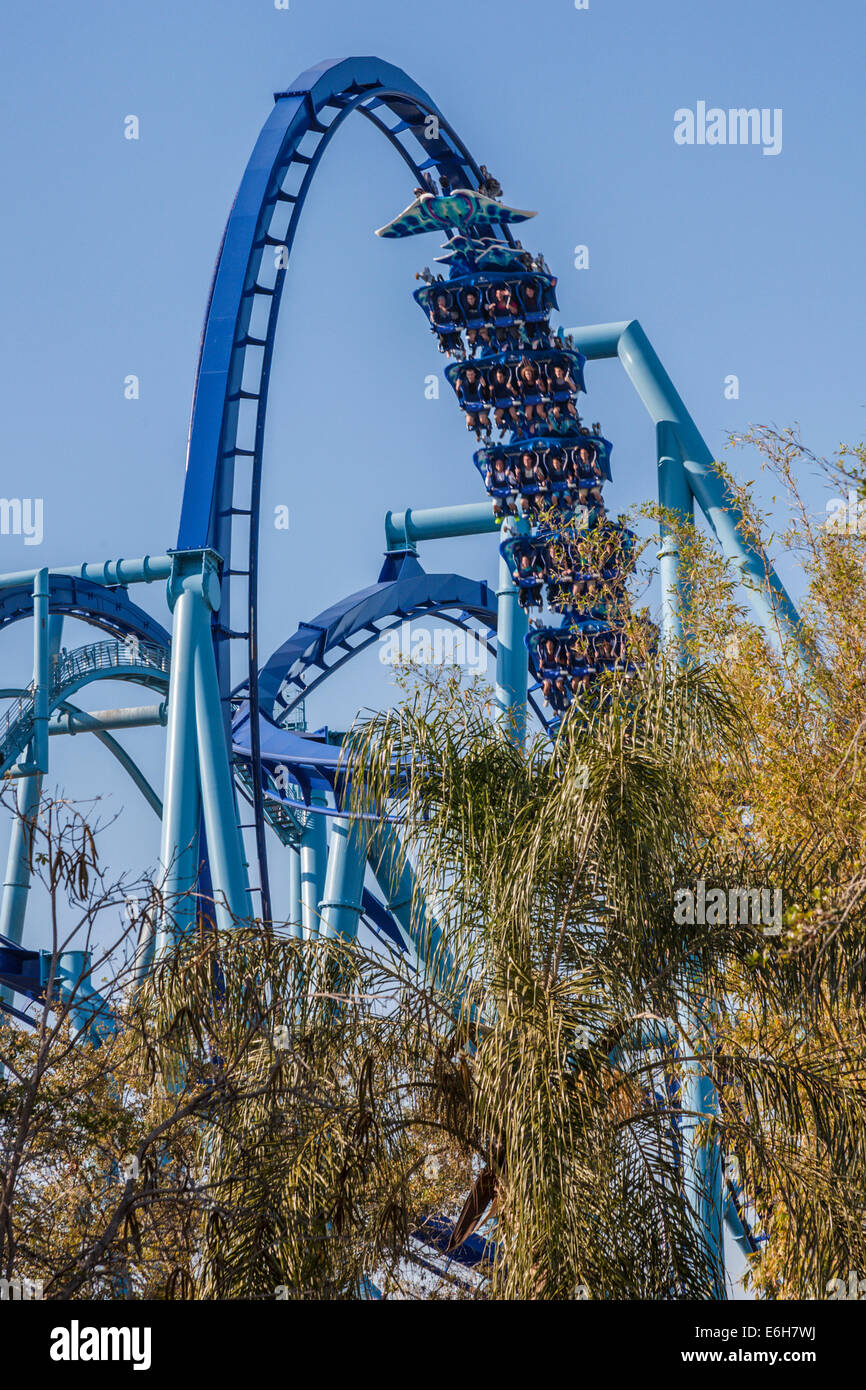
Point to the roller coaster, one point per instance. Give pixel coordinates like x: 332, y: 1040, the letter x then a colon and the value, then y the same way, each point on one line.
x: 244, y: 778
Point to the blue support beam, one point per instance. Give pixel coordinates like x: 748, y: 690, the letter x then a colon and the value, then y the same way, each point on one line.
x: 702, y: 1157
x: 88, y: 1012
x: 181, y: 799
x: 512, y: 668
x: 403, y: 530
x: 676, y: 497
x: 70, y: 721
x: 295, y: 918
x: 687, y: 472
x: 41, y: 672
x: 738, y: 1220
x: 313, y: 854
x: 64, y: 978
x: 120, y: 754
x: 395, y: 877
x: 198, y: 775
x: 341, y: 905
x: 682, y: 440
x: 16, y: 885
x: 225, y: 849
x: 146, y: 570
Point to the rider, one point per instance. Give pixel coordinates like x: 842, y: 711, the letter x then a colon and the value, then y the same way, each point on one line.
x: 589, y: 476
x: 531, y: 385
x: 529, y: 567
x: 473, y: 393
x: 558, y: 474
x: 502, y: 395
x: 536, y: 329
x: 503, y: 311
x: 499, y: 477
x: 547, y: 661
x: 563, y: 388
x: 445, y: 315
x: 532, y: 481
x: 474, y: 312
x: 488, y: 185
x: 559, y: 422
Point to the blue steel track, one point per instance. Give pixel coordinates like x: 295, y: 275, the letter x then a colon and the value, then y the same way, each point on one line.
x: 224, y: 459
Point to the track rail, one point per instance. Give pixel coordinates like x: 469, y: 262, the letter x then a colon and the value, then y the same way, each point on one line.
x: 224, y: 459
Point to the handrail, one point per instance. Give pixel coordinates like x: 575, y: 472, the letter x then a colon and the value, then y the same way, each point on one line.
x: 70, y: 667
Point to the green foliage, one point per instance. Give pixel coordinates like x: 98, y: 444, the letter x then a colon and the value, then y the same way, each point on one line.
x: 298, y: 1109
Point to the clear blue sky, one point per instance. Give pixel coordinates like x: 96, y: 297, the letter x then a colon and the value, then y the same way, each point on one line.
x: 733, y: 261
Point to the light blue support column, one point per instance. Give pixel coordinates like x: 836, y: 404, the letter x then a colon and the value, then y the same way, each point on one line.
x: 598, y: 340
x: 197, y: 768
x: 111, y: 572
x: 397, y: 882
x: 55, y: 637
x: 687, y: 469
x: 72, y: 983
x: 340, y: 908
x: 404, y: 529
x: 686, y: 464
x: 16, y: 885
x: 675, y: 496
x: 295, y: 920
x: 739, y: 1220
x: 181, y: 808
x: 72, y: 721
x: 702, y: 1155
x: 766, y: 591
x: 225, y: 850
x: 512, y: 667
x: 41, y: 671
x: 313, y: 859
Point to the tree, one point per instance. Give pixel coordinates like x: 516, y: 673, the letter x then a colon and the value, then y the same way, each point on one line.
x: 796, y: 809
x: 306, y: 1114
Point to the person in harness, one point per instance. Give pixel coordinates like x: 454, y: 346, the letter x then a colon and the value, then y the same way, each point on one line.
x: 498, y: 482
x: 529, y: 576
x: 473, y: 394
x: 446, y: 321
x: 503, y: 396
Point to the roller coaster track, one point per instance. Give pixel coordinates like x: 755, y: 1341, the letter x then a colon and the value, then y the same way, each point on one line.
x: 145, y: 663
x: 224, y: 460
